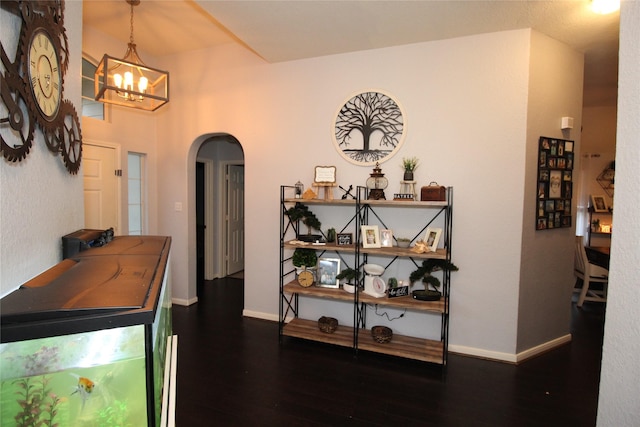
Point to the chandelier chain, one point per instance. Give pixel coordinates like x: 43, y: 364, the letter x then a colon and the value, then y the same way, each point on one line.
x: 131, y: 36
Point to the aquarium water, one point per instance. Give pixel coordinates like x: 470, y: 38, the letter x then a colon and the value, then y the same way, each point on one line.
x: 93, y: 379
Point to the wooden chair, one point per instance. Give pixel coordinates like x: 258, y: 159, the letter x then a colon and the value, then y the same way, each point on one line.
x: 589, y: 273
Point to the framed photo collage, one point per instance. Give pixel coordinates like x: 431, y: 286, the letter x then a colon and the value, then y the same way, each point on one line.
x: 555, y: 183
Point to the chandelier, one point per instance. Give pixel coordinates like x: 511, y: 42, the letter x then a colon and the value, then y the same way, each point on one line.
x: 129, y: 82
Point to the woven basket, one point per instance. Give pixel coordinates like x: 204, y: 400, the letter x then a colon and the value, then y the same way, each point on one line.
x: 328, y: 325
x: 381, y: 334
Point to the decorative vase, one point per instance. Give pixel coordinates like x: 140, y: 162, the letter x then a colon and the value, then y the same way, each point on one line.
x: 403, y: 243
x: 408, y: 176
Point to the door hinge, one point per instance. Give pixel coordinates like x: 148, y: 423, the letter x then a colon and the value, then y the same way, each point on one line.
x: 118, y: 172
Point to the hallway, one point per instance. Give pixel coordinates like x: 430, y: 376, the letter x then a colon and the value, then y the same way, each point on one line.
x: 233, y: 372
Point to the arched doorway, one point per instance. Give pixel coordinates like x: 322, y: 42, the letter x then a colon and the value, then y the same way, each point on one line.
x: 219, y: 213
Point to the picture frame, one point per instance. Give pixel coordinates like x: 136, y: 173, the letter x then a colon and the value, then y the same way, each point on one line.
x: 344, y: 239
x: 325, y: 174
x: 370, y: 236
x: 554, y: 183
x: 386, y: 238
x: 328, y: 269
x: 432, y: 237
x: 599, y: 203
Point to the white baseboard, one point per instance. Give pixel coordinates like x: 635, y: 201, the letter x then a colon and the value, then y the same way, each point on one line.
x: 184, y: 302
x: 509, y: 357
x: 482, y: 353
x: 542, y: 348
x: 260, y: 315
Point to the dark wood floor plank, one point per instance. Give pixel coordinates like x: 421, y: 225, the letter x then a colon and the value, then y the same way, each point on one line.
x: 232, y: 371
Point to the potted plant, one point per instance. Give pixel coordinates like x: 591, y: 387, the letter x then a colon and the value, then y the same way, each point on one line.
x: 409, y: 164
x: 403, y: 242
x: 308, y: 218
x: 423, y: 273
x: 350, y: 277
x: 304, y: 258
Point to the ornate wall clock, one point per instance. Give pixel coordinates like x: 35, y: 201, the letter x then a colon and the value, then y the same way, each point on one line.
x: 32, y: 86
x: 369, y: 128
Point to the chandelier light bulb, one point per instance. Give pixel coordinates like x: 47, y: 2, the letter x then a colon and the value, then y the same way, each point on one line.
x: 117, y: 79
x: 142, y: 84
x: 128, y: 80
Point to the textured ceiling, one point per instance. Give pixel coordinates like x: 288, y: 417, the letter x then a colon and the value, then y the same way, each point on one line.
x: 288, y: 30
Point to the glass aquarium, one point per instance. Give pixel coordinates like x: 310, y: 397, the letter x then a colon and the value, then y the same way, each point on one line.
x: 85, y: 343
x: 88, y: 379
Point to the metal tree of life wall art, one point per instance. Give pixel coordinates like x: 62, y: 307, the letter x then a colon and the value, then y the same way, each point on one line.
x: 369, y: 128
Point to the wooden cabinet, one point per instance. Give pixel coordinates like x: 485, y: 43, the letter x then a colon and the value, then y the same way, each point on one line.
x: 357, y: 335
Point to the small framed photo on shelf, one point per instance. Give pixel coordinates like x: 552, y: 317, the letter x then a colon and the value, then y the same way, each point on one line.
x: 386, y: 238
x: 344, y: 239
x: 370, y: 236
x: 599, y: 204
x: 328, y: 269
x: 432, y: 237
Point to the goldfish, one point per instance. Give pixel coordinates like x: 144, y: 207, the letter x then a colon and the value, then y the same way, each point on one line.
x: 84, y: 388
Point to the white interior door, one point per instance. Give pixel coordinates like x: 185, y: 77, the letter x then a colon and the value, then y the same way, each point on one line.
x: 235, y: 218
x: 100, y: 187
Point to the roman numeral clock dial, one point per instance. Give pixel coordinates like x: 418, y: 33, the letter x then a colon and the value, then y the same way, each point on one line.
x: 44, y: 74
x: 33, y: 86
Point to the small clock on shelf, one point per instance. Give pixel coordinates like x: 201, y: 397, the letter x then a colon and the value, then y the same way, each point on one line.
x: 306, y: 278
x: 376, y: 184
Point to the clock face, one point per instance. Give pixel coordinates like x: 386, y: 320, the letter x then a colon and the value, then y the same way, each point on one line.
x: 305, y: 278
x: 379, y: 286
x: 44, y: 74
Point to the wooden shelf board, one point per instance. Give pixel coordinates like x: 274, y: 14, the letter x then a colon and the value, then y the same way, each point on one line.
x: 404, y: 203
x: 404, y: 302
x: 393, y: 251
x: 403, y: 346
x: 314, y: 291
x: 325, y: 247
x: 405, y: 252
x: 345, y: 202
x: 388, y: 203
x: 308, y: 329
x: 339, y: 294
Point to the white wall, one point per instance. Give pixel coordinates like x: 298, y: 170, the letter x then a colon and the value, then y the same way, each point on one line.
x: 546, y: 282
x: 619, y: 385
x: 466, y: 103
x: 39, y: 200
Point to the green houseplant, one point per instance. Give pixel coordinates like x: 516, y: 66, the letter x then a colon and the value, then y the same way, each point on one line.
x: 350, y: 277
x: 423, y: 273
x: 301, y: 212
x: 409, y: 164
x: 304, y: 258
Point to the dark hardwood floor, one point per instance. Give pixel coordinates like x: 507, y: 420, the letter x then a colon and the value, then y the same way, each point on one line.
x: 233, y: 372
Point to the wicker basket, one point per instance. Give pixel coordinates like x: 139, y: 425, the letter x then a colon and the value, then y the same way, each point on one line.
x: 328, y: 325
x: 381, y: 334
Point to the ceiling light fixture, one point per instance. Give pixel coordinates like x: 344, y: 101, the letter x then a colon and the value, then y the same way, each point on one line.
x: 128, y: 81
x: 604, y: 7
